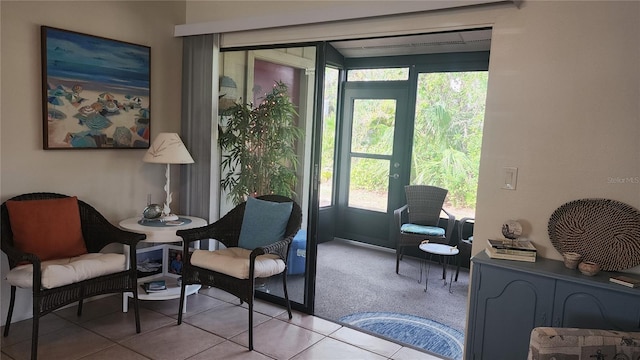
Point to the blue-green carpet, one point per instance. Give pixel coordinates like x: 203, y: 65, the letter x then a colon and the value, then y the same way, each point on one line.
x: 420, y: 332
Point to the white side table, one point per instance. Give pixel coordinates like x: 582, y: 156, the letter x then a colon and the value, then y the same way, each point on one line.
x: 160, y: 234
x: 444, y: 251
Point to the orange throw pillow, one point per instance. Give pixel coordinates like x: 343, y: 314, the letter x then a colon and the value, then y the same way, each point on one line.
x: 49, y: 228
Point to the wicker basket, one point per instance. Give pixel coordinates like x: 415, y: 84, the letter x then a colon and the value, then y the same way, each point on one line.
x: 604, y: 231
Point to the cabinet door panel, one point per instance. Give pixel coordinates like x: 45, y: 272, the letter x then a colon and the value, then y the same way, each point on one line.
x: 594, y: 308
x: 510, y: 304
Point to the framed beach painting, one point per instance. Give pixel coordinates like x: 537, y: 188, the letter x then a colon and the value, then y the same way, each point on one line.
x: 96, y: 92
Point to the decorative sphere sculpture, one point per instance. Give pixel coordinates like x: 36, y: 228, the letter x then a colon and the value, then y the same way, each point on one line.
x: 511, y: 229
x: 152, y: 211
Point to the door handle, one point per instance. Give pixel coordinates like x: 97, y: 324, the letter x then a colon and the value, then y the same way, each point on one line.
x: 394, y: 176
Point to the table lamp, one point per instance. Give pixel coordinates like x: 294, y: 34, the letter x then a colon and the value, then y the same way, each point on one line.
x: 168, y: 148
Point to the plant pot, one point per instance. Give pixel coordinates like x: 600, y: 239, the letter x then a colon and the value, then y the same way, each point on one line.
x: 589, y: 268
x: 571, y: 259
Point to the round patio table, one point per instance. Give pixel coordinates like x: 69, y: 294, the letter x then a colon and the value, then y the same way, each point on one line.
x: 446, y: 252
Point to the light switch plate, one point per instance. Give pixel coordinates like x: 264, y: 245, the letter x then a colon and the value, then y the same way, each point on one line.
x: 510, y: 178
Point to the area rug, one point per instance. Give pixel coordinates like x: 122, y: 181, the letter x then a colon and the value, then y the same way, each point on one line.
x: 420, y: 332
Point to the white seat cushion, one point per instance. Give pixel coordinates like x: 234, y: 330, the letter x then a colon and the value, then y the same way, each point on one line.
x: 66, y: 271
x: 235, y: 262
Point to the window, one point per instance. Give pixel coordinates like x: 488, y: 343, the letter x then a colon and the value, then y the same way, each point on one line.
x: 448, y: 135
x: 330, y: 106
x: 389, y: 74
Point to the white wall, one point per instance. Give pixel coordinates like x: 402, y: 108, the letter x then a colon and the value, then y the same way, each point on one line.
x: 563, y: 102
x: 563, y: 106
x: 116, y: 182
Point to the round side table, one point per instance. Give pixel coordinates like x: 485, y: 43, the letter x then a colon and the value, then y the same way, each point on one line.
x: 160, y: 233
x: 446, y: 252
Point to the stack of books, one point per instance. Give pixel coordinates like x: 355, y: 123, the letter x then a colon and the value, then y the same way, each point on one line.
x: 154, y: 286
x: 519, y: 250
x: 626, y: 281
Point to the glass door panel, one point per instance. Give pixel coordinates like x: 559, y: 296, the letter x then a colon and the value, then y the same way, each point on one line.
x: 368, y: 184
x: 247, y: 76
x: 374, y: 121
x: 372, y: 135
x: 373, y: 124
x: 330, y: 106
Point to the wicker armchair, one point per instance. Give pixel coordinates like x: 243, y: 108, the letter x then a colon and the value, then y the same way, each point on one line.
x: 97, y: 232
x: 465, y: 240
x: 419, y: 219
x: 227, y: 230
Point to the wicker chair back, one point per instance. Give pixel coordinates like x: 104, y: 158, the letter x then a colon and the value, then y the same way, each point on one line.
x: 227, y: 231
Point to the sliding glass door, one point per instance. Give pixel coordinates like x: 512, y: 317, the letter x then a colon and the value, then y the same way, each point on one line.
x: 247, y: 76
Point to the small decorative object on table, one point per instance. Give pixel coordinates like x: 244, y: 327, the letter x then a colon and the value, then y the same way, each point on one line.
x: 174, y: 222
x: 589, y: 268
x: 511, y: 229
x: 571, y: 259
x: 625, y: 280
x: 153, y: 211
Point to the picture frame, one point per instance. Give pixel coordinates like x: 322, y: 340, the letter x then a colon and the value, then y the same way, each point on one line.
x: 150, y: 261
x: 173, y: 264
x: 95, y: 92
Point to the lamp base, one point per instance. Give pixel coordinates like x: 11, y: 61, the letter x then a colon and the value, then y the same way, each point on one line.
x: 169, y: 217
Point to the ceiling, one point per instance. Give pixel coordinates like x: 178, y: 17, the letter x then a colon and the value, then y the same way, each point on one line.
x: 446, y: 42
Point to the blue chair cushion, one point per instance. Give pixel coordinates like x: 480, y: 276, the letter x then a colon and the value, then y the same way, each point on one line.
x: 263, y: 223
x: 422, y: 230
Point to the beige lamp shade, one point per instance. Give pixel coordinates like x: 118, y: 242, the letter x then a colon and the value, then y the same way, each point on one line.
x: 167, y: 148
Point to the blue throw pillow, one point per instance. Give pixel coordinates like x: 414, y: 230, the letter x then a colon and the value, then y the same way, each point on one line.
x: 264, y: 223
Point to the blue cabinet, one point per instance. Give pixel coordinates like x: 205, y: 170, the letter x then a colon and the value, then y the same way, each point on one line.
x: 584, y: 306
x: 509, y: 298
x: 508, y: 305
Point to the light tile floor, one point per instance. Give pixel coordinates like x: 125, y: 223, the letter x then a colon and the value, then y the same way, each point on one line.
x: 214, y: 327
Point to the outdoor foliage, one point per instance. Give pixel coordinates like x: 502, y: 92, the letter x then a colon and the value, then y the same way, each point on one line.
x: 448, y: 133
x: 259, y: 147
x: 447, y: 136
x: 329, y: 124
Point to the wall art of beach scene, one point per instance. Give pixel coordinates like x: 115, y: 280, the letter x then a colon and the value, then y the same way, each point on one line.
x: 96, y: 92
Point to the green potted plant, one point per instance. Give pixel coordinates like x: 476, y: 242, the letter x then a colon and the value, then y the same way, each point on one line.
x: 259, y: 154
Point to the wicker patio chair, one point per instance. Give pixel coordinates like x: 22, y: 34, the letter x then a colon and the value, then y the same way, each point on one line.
x: 28, y: 270
x: 465, y: 240
x: 226, y: 269
x: 419, y: 219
